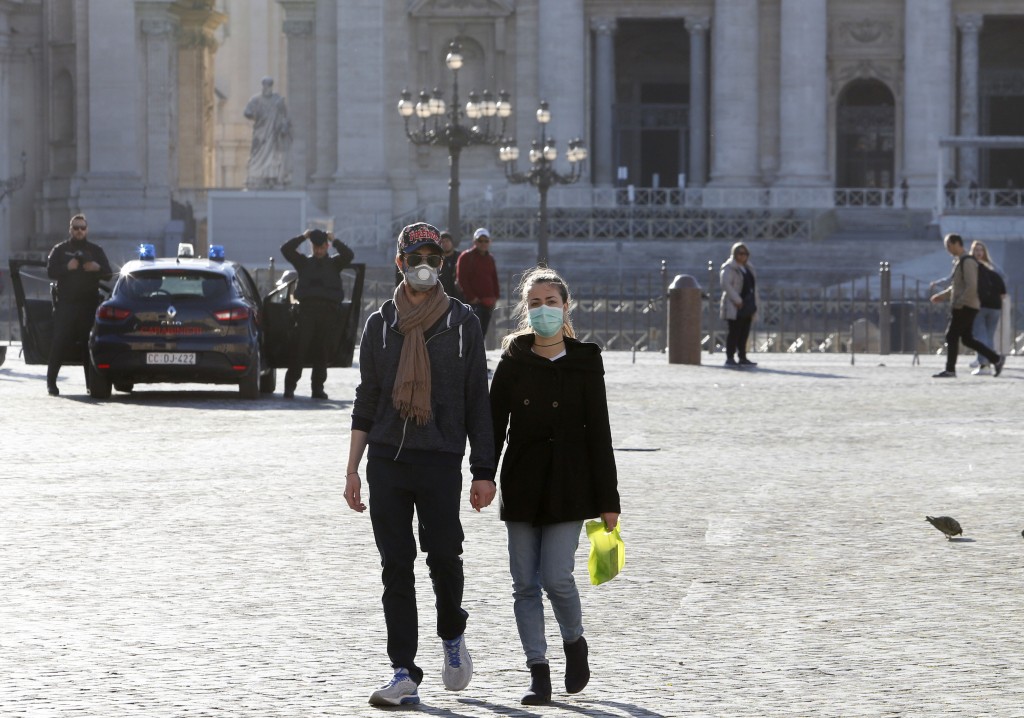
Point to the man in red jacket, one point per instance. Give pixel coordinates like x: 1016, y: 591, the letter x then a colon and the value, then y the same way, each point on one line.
x: 477, y: 276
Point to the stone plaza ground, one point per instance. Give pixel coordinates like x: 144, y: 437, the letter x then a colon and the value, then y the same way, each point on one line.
x: 181, y: 552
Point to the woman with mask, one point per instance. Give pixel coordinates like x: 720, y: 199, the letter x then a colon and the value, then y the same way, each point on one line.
x: 548, y: 393
x: 739, y: 303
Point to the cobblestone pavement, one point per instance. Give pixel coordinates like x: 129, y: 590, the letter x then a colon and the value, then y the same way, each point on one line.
x: 181, y: 552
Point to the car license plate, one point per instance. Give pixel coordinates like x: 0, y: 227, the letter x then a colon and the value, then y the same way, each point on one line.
x: 170, y: 358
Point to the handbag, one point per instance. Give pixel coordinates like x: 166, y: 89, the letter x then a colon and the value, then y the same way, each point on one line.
x: 607, y: 552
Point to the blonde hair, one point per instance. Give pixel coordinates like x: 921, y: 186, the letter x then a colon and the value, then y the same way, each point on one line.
x: 988, y: 259
x: 737, y: 247
x: 521, y: 314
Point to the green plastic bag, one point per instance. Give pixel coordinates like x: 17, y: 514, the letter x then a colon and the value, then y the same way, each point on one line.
x: 607, y: 552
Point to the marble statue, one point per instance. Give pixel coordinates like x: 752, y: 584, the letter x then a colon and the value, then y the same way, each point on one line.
x: 271, y: 139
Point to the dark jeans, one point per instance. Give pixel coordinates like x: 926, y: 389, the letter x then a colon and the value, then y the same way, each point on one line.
x: 395, y: 490
x: 318, y: 332
x: 484, y: 315
x: 71, y: 326
x: 961, y: 329
x: 736, y: 340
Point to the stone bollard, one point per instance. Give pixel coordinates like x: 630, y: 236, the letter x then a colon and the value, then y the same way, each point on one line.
x: 684, y: 309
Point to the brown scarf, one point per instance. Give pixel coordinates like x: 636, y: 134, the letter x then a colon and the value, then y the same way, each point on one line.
x: 411, y: 395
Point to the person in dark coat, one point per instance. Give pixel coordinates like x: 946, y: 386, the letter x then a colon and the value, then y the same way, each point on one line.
x: 446, y: 274
x: 548, y: 393
x: 320, y: 294
x: 78, y: 266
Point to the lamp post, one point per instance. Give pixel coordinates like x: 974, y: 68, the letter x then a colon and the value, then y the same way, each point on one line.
x: 13, y: 184
x: 447, y: 129
x: 542, y: 174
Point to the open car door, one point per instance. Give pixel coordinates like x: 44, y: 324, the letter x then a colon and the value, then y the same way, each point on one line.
x: 280, y: 312
x: 35, y: 310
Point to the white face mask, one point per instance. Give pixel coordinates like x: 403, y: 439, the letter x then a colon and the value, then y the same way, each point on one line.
x: 547, y: 321
x: 421, y: 278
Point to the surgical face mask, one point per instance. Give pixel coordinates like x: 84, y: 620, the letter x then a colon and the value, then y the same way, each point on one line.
x: 547, y: 321
x: 421, y: 278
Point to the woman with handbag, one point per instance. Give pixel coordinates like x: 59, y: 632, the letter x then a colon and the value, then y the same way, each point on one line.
x: 739, y: 303
x: 548, y: 393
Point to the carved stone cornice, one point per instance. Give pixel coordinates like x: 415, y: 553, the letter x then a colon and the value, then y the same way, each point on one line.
x: 887, y: 72
x: 604, y: 25
x: 697, y: 24
x: 869, y: 37
x: 867, y: 31
x: 461, y: 8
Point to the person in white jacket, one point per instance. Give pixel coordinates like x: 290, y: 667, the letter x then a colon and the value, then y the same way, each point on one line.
x: 739, y: 303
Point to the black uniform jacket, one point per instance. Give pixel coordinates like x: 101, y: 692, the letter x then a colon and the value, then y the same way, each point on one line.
x: 78, y: 286
x: 318, y: 278
x: 559, y: 464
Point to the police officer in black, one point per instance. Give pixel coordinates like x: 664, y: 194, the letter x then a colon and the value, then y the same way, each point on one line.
x: 320, y: 294
x: 78, y: 266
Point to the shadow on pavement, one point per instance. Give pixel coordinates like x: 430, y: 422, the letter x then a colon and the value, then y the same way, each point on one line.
x: 207, y: 400
x: 781, y: 372
x: 584, y: 707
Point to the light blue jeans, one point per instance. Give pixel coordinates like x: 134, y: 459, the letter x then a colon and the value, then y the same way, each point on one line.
x: 984, y: 329
x: 544, y: 557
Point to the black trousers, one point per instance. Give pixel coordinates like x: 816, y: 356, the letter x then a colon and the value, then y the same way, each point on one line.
x: 395, y: 490
x: 961, y: 329
x: 319, y: 323
x: 736, y: 339
x: 72, y: 323
x: 484, y: 315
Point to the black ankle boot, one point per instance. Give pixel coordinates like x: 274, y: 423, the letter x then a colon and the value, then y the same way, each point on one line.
x: 577, y: 669
x: 539, y: 693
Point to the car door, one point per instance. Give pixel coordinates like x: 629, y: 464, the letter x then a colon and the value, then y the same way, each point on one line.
x: 35, y: 309
x: 279, y: 321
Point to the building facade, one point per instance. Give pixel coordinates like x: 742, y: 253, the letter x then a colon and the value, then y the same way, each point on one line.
x: 131, y: 110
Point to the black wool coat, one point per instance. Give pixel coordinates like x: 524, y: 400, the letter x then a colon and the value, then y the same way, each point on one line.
x: 559, y: 464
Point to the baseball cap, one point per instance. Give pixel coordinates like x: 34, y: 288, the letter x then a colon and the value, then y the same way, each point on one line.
x: 318, y: 237
x: 419, y: 234
x: 482, y: 232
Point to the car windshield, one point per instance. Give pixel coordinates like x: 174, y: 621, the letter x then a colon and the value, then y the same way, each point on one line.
x: 179, y: 284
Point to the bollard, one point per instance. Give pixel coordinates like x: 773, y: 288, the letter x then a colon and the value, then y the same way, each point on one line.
x: 685, y: 303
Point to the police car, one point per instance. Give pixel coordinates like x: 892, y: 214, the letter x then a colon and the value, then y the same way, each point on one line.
x: 184, y: 319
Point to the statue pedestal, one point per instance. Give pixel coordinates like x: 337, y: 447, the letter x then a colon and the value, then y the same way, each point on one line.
x: 252, y: 225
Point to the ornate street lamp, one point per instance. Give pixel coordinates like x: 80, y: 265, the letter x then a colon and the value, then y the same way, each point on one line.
x: 13, y: 184
x: 440, y: 124
x: 542, y: 174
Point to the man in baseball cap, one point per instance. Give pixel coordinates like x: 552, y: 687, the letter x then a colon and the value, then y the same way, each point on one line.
x: 477, y: 276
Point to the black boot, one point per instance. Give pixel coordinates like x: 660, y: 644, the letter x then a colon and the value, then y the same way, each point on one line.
x: 539, y: 693
x: 577, y: 669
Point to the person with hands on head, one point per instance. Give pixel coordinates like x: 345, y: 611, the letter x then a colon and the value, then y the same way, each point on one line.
x: 78, y: 266
x: 320, y: 294
x: 548, y: 393
x: 422, y: 393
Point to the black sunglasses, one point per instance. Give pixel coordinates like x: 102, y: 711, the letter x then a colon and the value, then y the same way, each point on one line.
x: 415, y: 260
x: 78, y: 226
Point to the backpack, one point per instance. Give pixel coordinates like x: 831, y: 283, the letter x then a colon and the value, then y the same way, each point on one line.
x: 991, y: 287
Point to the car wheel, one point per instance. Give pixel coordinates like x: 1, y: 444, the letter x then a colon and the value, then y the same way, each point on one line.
x: 249, y: 385
x: 124, y: 386
x: 99, y: 385
x: 268, y: 382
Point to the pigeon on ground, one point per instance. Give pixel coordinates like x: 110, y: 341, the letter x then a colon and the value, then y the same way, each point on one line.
x: 946, y: 524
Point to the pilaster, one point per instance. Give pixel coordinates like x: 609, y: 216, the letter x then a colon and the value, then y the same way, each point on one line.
x: 298, y: 28
x: 734, y: 94
x: 928, y: 99
x: 970, y: 27
x: 803, y: 95
x: 698, y: 169
x: 603, y: 171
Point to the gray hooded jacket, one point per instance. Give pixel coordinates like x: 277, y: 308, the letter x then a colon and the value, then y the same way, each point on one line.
x: 458, y: 399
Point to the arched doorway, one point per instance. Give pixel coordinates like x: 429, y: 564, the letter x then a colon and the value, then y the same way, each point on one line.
x: 865, y: 135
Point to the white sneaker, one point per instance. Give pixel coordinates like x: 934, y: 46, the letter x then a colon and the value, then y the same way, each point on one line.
x: 401, y: 690
x: 975, y: 363
x: 458, y: 666
x: 984, y: 369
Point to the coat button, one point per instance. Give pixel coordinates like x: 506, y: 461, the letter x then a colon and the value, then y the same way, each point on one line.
x: 554, y: 404
x: 526, y: 402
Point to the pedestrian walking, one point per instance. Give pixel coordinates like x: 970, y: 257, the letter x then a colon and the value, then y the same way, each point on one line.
x: 962, y: 294
x: 78, y: 266
x: 422, y: 392
x: 447, y: 272
x: 548, y: 392
x: 738, y: 304
x: 477, y: 276
x: 320, y: 293
x: 990, y: 307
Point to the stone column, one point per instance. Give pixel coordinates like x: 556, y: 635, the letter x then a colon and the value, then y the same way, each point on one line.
x: 970, y: 26
x: 196, y: 46
x: 734, y: 94
x: 698, y: 169
x: 803, y: 101
x: 323, y: 163
x: 603, y: 169
x: 298, y: 28
x: 562, y: 43
x: 161, y: 90
x: 928, y: 81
